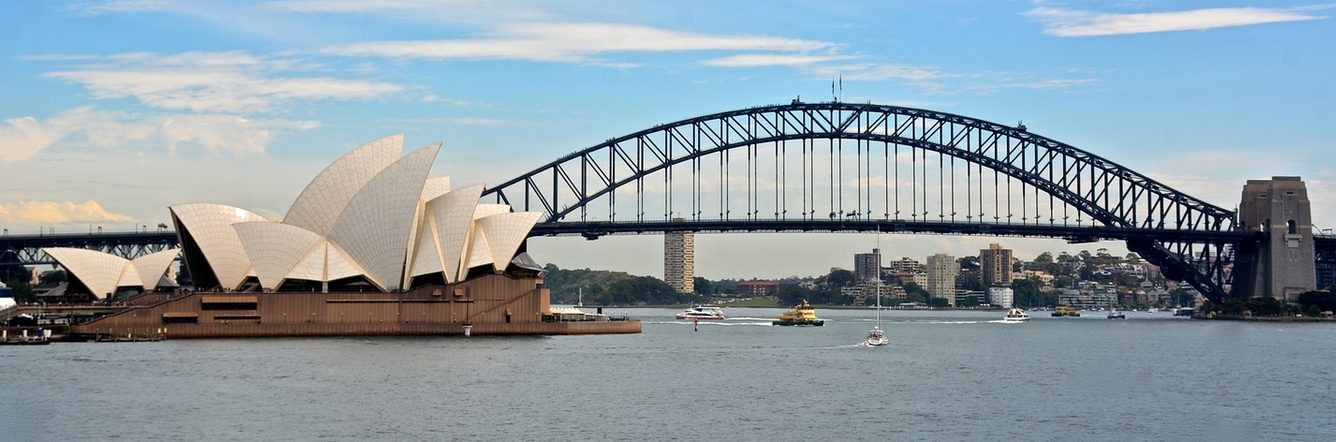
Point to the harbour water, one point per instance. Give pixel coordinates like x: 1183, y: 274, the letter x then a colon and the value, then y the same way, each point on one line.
x: 945, y: 376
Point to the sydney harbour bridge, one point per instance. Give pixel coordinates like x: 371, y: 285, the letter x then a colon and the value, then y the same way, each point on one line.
x: 846, y: 167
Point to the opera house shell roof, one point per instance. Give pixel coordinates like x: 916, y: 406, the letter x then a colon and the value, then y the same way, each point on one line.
x: 372, y: 219
x: 103, y: 273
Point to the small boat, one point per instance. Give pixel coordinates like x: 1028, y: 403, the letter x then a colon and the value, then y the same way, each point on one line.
x: 801, y: 314
x: 1016, y: 315
x: 702, y: 313
x: 1115, y: 314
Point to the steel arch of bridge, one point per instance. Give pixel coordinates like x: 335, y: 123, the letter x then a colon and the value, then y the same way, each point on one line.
x: 1190, y: 239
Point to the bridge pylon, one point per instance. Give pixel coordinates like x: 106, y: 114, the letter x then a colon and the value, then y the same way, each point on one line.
x: 1281, y: 265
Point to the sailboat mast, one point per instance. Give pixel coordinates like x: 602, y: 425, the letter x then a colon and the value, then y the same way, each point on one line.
x: 878, y: 273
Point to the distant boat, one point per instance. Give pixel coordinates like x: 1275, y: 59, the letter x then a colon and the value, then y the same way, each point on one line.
x: 702, y: 313
x: 1115, y: 314
x: 1065, y: 310
x: 801, y: 314
x: 1016, y: 315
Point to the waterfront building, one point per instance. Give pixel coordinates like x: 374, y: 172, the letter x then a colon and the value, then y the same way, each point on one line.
x: 920, y: 279
x: 1001, y: 297
x: 905, y: 265
x: 995, y: 266
x: 679, y: 260
x: 758, y: 289
x: 941, y: 277
x: 867, y: 265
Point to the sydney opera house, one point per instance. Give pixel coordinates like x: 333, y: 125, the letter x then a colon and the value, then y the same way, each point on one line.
x: 372, y: 245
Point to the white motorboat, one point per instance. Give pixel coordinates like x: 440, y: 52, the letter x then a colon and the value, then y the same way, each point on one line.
x: 702, y: 313
x: 1016, y: 315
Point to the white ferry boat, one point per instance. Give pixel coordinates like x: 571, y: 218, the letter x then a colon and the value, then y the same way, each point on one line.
x: 702, y: 313
x: 1016, y: 315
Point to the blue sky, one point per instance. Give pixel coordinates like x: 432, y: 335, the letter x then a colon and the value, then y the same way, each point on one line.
x: 111, y: 111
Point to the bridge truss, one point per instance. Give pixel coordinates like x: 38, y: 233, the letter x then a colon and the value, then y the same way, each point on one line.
x: 859, y: 167
x: 27, y: 249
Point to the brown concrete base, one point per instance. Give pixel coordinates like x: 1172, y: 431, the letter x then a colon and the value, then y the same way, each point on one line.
x: 492, y: 304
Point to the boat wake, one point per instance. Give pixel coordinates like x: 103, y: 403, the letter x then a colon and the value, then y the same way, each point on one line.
x: 999, y: 321
x: 947, y: 322
x: 720, y: 323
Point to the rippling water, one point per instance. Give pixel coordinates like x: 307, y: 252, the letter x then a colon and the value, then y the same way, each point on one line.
x: 945, y: 376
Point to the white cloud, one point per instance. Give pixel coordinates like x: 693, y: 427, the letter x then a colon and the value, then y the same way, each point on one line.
x: 760, y: 60
x: 38, y: 213
x: 211, y: 81
x: 1076, y: 23
x: 571, y: 43
x: 22, y: 138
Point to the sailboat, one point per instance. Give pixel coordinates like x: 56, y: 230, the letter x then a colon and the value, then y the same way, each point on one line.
x: 877, y: 337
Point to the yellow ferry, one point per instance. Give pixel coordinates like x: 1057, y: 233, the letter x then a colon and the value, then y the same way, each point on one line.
x: 1065, y: 310
x: 801, y: 314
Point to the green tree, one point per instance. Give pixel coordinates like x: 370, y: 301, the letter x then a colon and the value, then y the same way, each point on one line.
x: 840, y: 278
x: 1026, y: 292
x: 51, y: 277
x: 1324, y: 300
x: 704, y: 286
x: 792, y: 294
x: 22, y: 291
x: 1266, y: 306
x: 969, y: 263
x: 915, y: 293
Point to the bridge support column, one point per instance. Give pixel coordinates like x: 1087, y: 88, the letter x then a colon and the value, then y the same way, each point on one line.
x: 1283, y: 265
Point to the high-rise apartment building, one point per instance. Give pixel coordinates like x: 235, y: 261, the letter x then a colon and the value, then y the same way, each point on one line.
x: 995, y: 266
x: 679, y: 260
x: 942, y: 271
x: 867, y: 266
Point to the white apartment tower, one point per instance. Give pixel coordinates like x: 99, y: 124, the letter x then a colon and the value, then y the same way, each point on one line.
x: 679, y: 258
x: 942, y: 272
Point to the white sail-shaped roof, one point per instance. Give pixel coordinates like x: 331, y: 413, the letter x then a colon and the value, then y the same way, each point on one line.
x: 479, y: 251
x: 318, y: 207
x: 275, y: 249
x: 505, y: 232
x: 426, y: 254
x: 435, y: 187
x: 338, y: 265
x: 211, y: 227
x: 153, y: 266
x: 374, y: 227
x: 452, y: 215
x: 479, y: 254
x: 101, y: 272
x: 130, y: 277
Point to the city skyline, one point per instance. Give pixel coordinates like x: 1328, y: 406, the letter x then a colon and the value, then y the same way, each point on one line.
x: 191, y: 93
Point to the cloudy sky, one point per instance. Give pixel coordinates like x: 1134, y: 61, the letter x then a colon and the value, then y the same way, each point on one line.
x: 113, y: 110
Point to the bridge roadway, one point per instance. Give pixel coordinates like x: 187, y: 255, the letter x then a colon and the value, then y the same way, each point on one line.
x: 25, y: 249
